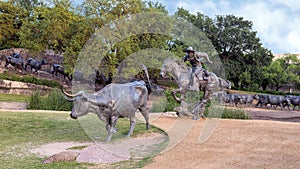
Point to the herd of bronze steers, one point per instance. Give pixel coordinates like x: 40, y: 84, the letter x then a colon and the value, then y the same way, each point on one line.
x: 245, y: 100
x: 260, y: 100
x: 19, y: 63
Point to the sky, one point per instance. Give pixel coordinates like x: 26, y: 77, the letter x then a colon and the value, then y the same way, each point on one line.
x: 277, y: 22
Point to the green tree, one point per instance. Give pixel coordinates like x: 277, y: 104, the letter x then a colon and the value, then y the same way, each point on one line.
x: 111, y: 14
x: 276, y: 75
x: 283, y: 71
x: 48, y: 27
x: 11, y: 20
x: 240, y: 49
x: 28, y: 5
x: 292, y: 69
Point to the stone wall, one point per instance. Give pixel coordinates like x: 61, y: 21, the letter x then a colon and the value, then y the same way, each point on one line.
x: 9, y: 52
x: 13, y: 87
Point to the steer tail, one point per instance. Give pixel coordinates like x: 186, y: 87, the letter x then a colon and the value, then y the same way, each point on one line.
x: 149, y: 84
x: 143, y: 93
x: 146, y: 73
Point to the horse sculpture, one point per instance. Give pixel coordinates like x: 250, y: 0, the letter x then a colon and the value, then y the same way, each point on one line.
x: 181, y: 74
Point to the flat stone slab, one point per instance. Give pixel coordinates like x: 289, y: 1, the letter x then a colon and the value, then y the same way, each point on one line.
x: 13, y: 105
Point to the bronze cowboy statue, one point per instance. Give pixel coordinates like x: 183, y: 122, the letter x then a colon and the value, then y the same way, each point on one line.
x: 196, y: 60
x: 208, y: 82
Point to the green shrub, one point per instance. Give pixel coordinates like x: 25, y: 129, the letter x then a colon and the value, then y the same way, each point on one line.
x: 35, y: 101
x: 53, y: 101
x: 29, y: 79
x: 171, y: 102
x: 190, y: 98
x: 235, y: 114
x: 159, y: 106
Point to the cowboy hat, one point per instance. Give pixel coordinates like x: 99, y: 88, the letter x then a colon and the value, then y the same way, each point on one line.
x: 189, y: 49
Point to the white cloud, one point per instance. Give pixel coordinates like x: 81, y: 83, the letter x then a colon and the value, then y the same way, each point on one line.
x: 182, y: 4
x: 292, y: 5
x: 206, y: 7
x: 276, y: 22
x: 275, y: 26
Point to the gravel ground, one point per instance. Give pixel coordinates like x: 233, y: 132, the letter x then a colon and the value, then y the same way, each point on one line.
x: 236, y: 144
x: 275, y: 115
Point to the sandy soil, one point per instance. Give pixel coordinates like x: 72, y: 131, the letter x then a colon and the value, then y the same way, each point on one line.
x: 235, y: 144
x: 272, y: 114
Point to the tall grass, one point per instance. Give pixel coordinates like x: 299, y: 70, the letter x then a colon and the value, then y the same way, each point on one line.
x: 53, y: 101
x: 235, y: 114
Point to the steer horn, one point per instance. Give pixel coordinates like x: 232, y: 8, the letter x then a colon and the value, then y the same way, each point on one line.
x: 69, y: 99
x: 71, y: 95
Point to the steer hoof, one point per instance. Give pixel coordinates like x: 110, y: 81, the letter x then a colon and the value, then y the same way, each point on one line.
x: 203, y: 116
x: 148, y: 126
x: 108, y: 139
x: 195, y: 118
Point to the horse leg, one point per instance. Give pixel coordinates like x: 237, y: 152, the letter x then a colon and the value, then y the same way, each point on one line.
x: 200, y: 107
x: 181, y: 91
x: 205, y: 99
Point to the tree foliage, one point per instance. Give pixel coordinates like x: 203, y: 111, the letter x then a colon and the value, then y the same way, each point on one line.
x: 58, y: 25
x: 11, y: 20
x: 283, y: 71
x: 48, y: 28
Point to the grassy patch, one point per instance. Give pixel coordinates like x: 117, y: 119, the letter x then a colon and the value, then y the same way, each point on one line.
x: 13, y: 98
x: 235, y: 114
x: 88, y: 122
x: 38, y: 128
x: 21, y: 131
x: 225, y: 113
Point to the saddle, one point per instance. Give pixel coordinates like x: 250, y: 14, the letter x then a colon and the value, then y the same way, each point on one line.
x: 203, y: 77
x: 199, y: 81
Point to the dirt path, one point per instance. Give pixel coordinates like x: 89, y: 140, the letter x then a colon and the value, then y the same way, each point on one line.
x: 275, y: 115
x: 235, y: 144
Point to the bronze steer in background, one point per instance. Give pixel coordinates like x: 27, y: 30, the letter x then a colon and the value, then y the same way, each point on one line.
x: 111, y: 102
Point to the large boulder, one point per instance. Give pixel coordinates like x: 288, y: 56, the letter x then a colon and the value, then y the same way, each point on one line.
x: 64, y: 156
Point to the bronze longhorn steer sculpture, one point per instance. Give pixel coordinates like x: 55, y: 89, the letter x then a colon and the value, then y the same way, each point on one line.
x: 111, y: 102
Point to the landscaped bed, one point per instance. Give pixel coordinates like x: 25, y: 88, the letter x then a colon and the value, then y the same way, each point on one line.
x: 24, y: 135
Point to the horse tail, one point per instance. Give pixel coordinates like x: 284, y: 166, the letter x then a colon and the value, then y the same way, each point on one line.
x: 220, y: 83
